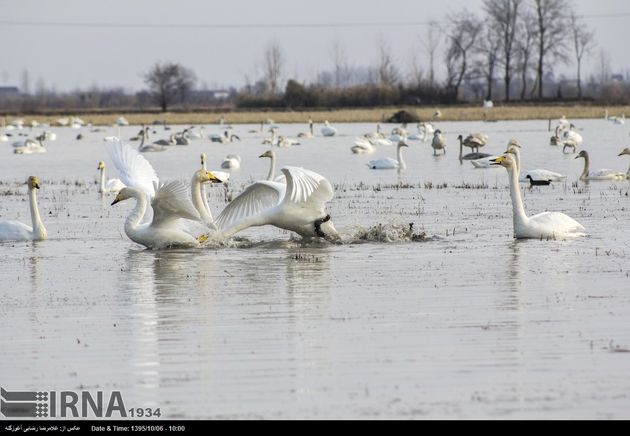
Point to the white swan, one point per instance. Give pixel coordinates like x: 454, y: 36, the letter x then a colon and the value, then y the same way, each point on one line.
x: 15, y: 230
x: 543, y: 225
x: 299, y: 206
x: 375, y: 135
x: 272, y: 167
x: 425, y: 132
x: 272, y: 140
x: 603, y: 174
x: 362, y: 146
x: 231, y: 162
x: 122, y: 121
x: 150, y: 147
x: 310, y: 133
x: 30, y: 146
x: 111, y: 185
x: 328, y: 130
x: 571, y: 139
x: 286, y: 142
x: 536, y: 174
x: 439, y: 142
x: 626, y: 151
x: 387, y: 163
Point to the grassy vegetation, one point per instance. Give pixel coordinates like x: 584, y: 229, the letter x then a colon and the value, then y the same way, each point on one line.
x: 450, y: 113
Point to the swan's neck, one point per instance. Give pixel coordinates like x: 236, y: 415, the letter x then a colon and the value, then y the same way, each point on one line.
x: 517, y: 201
x: 310, y: 127
x: 461, y: 148
x: 517, y: 161
x: 401, y: 162
x: 272, y: 168
x: 133, y: 220
x: 587, y: 165
x: 200, y: 205
x: 39, y: 231
x: 101, y: 184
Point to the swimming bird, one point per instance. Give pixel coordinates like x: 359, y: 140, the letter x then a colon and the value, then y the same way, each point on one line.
x: 150, y: 147
x: 30, y: 146
x: 533, y: 182
x: 626, y: 151
x: 231, y: 162
x: 469, y: 156
x: 536, y: 174
x: 328, y: 130
x: 362, y: 146
x: 298, y: 206
x: 286, y: 142
x: 474, y: 141
x: 439, y: 142
x: 544, y: 225
x: 388, y: 163
x: 17, y: 231
x: 273, y: 139
x: 375, y: 135
x: 310, y: 133
x: 571, y: 139
x: 112, y: 185
x: 603, y: 174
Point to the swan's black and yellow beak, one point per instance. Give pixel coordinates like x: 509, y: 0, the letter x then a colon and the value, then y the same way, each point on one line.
x: 212, y: 178
x: 116, y: 200
x: 36, y: 185
x: 497, y: 161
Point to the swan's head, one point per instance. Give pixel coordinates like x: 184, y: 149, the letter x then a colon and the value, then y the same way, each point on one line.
x: 269, y: 153
x: 625, y: 151
x: 204, y: 176
x: 33, y: 182
x: 460, y: 138
x: 513, y: 143
x: 324, y: 228
x: 505, y: 161
x: 123, y: 194
x: 402, y: 144
x: 437, y: 132
x: 583, y: 154
x: 101, y: 165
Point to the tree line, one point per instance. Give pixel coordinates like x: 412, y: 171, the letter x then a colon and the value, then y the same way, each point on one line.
x: 510, y: 53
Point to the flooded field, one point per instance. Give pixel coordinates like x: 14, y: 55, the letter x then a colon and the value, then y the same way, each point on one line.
x: 465, y: 323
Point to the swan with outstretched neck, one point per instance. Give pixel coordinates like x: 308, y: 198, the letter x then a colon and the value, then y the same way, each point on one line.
x: 388, y: 163
x: 603, y: 174
x: 17, y: 231
x: 545, y: 225
x: 626, y: 151
x: 111, y: 185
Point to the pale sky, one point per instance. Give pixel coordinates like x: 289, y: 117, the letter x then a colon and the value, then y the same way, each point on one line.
x: 74, y: 55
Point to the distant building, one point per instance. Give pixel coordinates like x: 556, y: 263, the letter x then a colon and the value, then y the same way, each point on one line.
x: 8, y: 91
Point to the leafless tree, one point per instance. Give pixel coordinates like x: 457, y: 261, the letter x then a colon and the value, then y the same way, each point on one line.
x: 386, y: 71
x: 431, y: 44
x: 341, y: 69
x: 604, y: 67
x: 552, y: 32
x: 26, y: 82
x: 525, y: 48
x: 583, y: 43
x: 169, y: 82
x: 503, y: 15
x: 273, y: 65
x: 488, y: 48
x: 464, y: 29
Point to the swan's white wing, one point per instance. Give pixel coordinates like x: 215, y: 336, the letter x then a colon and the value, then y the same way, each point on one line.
x: 133, y: 169
x: 557, y: 222
x: 254, y: 200
x: 306, y: 187
x: 15, y: 231
x: 542, y: 174
x: 606, y: 172
x: 171, y: 202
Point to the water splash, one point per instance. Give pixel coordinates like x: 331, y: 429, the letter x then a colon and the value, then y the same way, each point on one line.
x: 386, y: 233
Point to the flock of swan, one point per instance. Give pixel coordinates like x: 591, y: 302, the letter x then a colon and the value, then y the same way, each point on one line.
x: 175, y: 214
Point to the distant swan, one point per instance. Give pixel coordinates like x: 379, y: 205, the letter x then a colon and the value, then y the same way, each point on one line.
x: 388, y: 163
x: 15, y: 230
x: 111, y: 185
x: 328, y: 130
x: 603, y: 174
x: 469, y: 156
x: 439, y: 142
x: 231, y: 162
x: 626, y: 151
x: 543, y: 225
x: 362, y: 146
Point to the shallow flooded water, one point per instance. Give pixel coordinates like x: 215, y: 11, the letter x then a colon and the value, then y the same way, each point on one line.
x: 465, y: 323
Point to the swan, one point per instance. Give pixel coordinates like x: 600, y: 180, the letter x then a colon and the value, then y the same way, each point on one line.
x: 387, y: 163
x: 328, y: 130
x: 626, y: 151
x: 199, y: 194
x: 224, y: 176
x: 4, y: 138
x: 231, y: 162
x: 298, y: 206
x: 398, y: 134
x: 425, y: 131
x: 537, y: 174
x: 308, y: 134
x: 571, y: 139
x: 469, y: 156
x: 618, y: 120
x: 112, y: 185
x: 603, y: 174
x: 122, y: 121
x: 150, y: 147
x: 226, y: 138
x: 474, y: 141
x: 375, y: 135
x: 439, y: 142
x: 272, y: 140
x: 30, y: 146
x: 286, y: 142
x: 195, y: 134
x: 543, y: 225
x: 259, y: 130
x: 362, y: 146
x: 15, y: 230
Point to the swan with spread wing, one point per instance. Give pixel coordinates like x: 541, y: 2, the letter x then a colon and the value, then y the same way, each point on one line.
x: 298, y: 206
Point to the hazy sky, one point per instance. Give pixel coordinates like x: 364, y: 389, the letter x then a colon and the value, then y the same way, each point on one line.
x: 72, y: 55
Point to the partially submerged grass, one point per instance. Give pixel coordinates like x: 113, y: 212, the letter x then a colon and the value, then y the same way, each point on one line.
x: 449, y: 113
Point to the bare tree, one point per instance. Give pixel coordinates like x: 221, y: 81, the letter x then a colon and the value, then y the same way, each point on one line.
x: 552, y: 33
x: 386, y: 71
x: 583, y: 42
x: 525, y: 48
x: 488, y: 47
x: 274, y: 63
x: 340, y: 65
x: 605, y: 70
x: 503, y: 16
x: 431, y: 44
x: 26, y: 82
x: 462, y: 34
x: 169, y: 83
